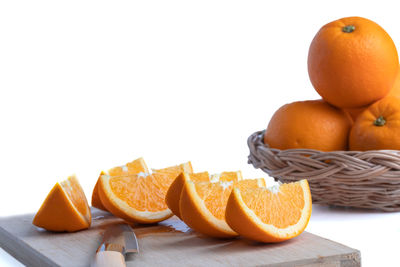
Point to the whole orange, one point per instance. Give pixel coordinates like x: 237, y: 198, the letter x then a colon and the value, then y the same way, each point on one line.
x: 378, y: 127
x: 352, y: 62
x: 312, y: 124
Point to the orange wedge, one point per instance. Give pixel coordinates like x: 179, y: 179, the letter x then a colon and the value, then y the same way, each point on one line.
x: 134, y: 167
x: 270, y: 215
x: 174, y: 192
x: 65, y: 208
x: 202, y: 205
x: 140, y: 197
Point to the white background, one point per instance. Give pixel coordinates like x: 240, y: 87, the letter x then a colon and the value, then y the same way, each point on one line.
x: 88, y: 85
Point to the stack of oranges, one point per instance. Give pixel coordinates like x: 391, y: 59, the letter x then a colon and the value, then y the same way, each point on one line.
x: 353, y: 65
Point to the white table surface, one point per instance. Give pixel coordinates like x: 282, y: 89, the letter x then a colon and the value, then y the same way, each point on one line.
x: 375, y: 234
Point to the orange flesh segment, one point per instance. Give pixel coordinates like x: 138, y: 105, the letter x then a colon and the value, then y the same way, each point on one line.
x: 133, y: 167
x: 186, y: 167
x: 230, y: 176
x: 215, y: 195
x: 75, y: 194
x: 268, y: 206
x: 199, y: 177
x: 146, y: 193
x: 142, y: 193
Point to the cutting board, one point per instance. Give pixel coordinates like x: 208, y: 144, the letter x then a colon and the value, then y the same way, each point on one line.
x: 169, y: 243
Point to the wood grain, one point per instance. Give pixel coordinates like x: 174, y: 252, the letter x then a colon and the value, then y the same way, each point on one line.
x: 170, y: 243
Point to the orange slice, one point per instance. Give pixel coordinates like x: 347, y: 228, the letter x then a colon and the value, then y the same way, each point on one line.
x: 134, y: 167
x: 65, y: 208
x: 202, y: 205
x: 174, y: 192
x: 270, y: 215
x: 140, y: 197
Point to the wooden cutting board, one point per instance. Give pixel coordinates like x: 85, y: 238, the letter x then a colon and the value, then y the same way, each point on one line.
x: 170, y: 243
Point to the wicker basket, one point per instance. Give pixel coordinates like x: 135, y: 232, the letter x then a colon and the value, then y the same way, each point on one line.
x: 369, y: 179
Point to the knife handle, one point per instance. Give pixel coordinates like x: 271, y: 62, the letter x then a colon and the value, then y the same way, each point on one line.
x: 109, y: 259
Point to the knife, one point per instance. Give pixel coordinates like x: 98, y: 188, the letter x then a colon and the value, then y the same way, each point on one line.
x: 119, y: 241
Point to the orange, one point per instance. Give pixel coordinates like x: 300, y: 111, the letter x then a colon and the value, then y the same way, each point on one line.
x: 139, y: 197
x: 378, y: 127
x: 174, y: 192
x: 65, y: 208
x: 266, y: 215
x: 134, y: 167
x: 352, y: 62
x: 395, y: 91
x: 312, y: 124
x: 202, y: 205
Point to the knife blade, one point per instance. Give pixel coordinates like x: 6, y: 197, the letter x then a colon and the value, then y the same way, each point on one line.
x: 119, y: 241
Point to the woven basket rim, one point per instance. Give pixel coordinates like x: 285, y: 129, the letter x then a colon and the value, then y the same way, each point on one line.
x: 361, y: 179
